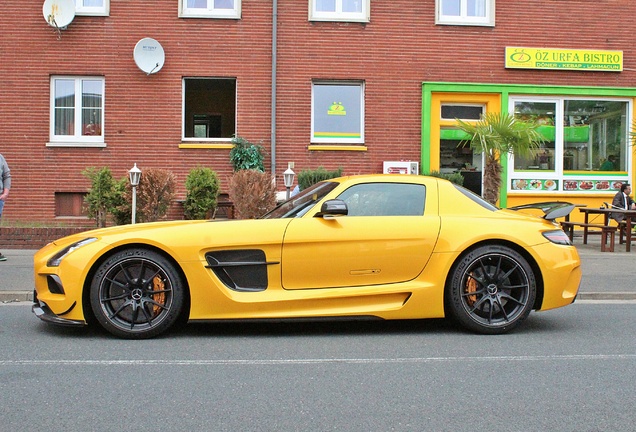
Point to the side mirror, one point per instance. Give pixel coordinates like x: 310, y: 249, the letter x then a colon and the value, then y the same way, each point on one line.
x: 334, y: 207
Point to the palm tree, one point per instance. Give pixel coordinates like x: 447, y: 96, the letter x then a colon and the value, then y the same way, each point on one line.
x: 496, y: 135
x: 632, y: 136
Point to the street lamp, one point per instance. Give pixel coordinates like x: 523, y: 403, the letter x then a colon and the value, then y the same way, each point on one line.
x: 288, y: 177
x: 135, y: 176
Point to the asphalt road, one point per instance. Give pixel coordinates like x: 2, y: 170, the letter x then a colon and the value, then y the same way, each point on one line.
x: 570, y: 369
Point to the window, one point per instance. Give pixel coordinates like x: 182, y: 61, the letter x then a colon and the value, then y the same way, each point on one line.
x: 339, y: 10
x: 92, y: 7
x: 337, y: 112
x: 228, y: 9
x: 586, y: 148
x: 77, y: 111
x: 385, y: 199
x: 466, y: 12
x: 461, y: 111
x: 209, y: 109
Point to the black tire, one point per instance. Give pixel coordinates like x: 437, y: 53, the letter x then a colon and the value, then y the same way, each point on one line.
x: 137, y: 294
x: 492, y: 290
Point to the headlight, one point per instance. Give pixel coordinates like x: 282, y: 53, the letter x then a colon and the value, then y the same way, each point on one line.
x: 55, y: 260
x: 558, y: 237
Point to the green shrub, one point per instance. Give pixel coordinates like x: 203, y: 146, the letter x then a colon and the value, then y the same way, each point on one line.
x: 122, y: 203
x: 253, y: 193
x: 202, y: 190
x: 456, y: 178
x: 310, y: 177
x: 246, y: 155
x: 101, y: 196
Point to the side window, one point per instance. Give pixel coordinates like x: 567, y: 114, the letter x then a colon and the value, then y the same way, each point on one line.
x: 92, y: 7
x: 465, y: 12
x: 385, y: 199
x: 209, y: 109
x: 77, y: 111
x: 337, y: 112
x: 339, y: 10
x: 226, y: 9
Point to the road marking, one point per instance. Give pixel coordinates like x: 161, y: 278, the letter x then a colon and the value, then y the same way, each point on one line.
x: 275, y: 362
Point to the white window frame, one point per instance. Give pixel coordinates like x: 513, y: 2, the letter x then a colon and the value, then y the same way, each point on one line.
x: 559, y: 173
x: 339, y: 140
x: 339, y: 15
x: 464, y: 18
x: 103, y: 10
x: 77, y: 139
x: 210, y: 12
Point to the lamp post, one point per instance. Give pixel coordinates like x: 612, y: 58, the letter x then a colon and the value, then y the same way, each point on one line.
x: 288, y: 177
x: 135, y: 176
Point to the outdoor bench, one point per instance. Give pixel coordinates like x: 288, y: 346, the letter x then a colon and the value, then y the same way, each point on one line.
x: 607, y: 232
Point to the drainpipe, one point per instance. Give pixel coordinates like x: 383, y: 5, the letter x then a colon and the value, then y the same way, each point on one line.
x: 274, y: 63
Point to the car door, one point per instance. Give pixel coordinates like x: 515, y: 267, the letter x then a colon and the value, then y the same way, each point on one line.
x: 386, y: 238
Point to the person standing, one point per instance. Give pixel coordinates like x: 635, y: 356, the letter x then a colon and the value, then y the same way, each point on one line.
x: 5, y: 185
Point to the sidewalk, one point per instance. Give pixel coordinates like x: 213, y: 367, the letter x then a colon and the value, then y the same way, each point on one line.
x: 604, y: 275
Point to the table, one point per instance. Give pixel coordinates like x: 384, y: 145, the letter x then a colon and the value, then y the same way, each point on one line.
x: 629, y: 216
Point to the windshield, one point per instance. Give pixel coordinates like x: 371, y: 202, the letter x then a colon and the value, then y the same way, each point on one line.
x: 300, y: 204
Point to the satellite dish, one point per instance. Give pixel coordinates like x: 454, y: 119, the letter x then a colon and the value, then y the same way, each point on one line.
x: 59, y: 13
x: 149, y: 55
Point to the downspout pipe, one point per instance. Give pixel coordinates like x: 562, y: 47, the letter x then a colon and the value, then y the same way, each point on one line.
x: 274, y: 64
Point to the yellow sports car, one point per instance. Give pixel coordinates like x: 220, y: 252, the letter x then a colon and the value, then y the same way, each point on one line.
x: 384, y: 246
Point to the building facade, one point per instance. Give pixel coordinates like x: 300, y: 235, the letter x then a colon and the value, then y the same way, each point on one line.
x: 331, y: 83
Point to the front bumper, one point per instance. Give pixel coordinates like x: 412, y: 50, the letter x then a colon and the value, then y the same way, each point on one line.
x: 42, y: 311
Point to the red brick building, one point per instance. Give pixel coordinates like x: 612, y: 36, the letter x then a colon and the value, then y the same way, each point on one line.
x: 351, y: 83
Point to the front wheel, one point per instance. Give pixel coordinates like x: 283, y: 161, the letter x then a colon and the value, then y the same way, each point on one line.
x: 491, y: 290
x: 137, y: 294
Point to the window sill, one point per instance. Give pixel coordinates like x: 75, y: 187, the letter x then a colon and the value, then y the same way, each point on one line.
x: 333, y: 19
x: 327, y: 147
x: 76, y: 144
x: 211, y: 16
x: 465, y: 23
x: 205, y: 145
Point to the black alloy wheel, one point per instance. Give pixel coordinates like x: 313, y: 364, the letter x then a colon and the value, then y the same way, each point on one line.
x: 137, y: 294
x: 492, y: 290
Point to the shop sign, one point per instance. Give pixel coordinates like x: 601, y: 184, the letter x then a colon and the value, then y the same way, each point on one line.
x: 565, y: 59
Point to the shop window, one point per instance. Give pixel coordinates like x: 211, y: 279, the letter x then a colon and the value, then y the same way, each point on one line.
x: 465, y: 12
x: 543, y: 113
x: 586, y: 147
x: 209, y: 111
x: 228, y: 9
x: 337, y: 112
x: 92, y: 7
x: 77, y: 111
x: 70, y: 204
x: 339, y: 10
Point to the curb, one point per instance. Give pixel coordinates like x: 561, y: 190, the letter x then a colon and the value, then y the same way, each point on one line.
x: 16, y: 296
x: 606, y: 296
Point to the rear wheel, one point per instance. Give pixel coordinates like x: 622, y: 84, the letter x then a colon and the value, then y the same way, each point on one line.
x: 137, y: 294
x: 492, y: 290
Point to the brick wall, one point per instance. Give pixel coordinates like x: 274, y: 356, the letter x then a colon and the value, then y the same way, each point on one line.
x: 399, y: 49
x: 32, y: 238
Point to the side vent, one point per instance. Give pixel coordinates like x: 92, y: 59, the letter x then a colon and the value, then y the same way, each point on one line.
x: 240, y: 270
